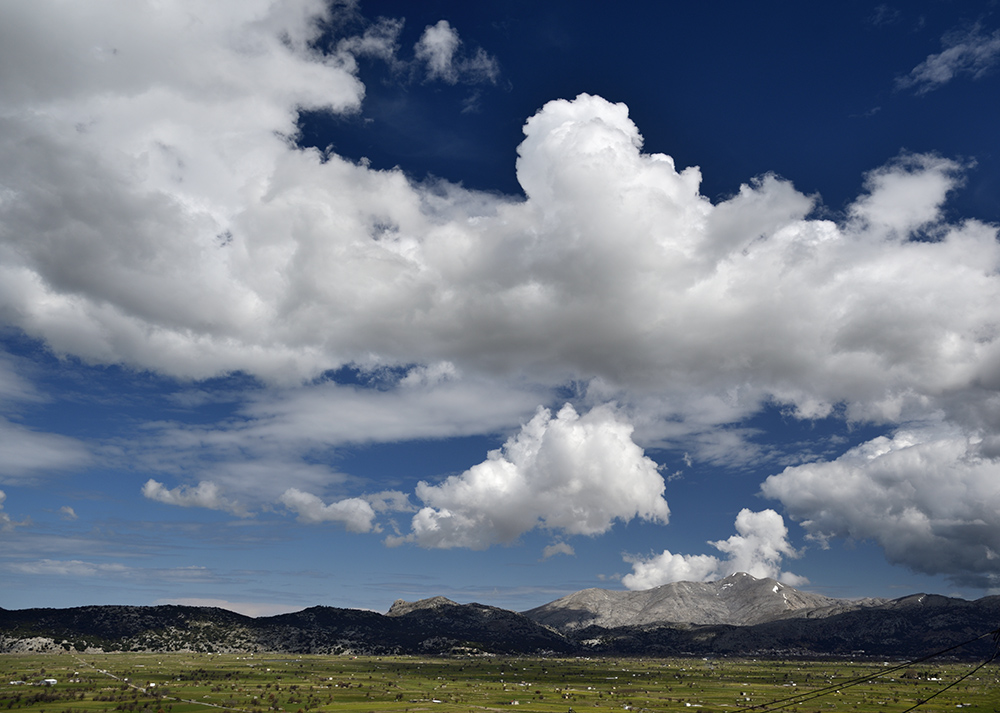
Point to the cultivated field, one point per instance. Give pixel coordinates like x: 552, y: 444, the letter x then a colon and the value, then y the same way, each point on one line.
x: 207, y: 683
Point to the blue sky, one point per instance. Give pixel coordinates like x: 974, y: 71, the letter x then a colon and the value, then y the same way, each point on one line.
x: 337, y: 303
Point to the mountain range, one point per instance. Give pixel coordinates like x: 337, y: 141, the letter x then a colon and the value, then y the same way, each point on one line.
x: 740, y: 615
x: 737, y: 600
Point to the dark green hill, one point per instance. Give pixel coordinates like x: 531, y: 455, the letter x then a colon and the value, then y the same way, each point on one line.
x: 910, y: 627
x: 471, y: 627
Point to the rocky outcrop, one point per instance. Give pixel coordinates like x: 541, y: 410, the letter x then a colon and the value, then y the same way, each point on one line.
x: 401, y: 606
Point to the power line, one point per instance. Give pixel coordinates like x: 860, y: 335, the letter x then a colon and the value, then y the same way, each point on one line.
x: 811, y: 695
x: 953, y: 683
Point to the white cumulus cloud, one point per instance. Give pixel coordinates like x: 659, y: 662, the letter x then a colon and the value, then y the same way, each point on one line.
x: 158, y: 219
x: 558, y: 548
x: 566, y: 473
x: 905, y: 194
x: 928, y: 496
x: 758, y: 548
x: 204, y: 495
x: 356, y: 514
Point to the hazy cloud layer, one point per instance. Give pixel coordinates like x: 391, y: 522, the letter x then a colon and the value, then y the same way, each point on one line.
x: 275, y: 440
x: 29, y: 455
x: 155, y: 212
x: 971, y: 52
x: 439, y: 48
x: 758, y: 548
x: 6, y: 524
x: 117, y: 570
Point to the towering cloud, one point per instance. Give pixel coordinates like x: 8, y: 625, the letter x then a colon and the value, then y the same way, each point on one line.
x: 758, y: 548
x: 568, y: 473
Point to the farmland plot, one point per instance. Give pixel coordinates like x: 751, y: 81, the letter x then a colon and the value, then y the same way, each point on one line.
x: 262, y: 683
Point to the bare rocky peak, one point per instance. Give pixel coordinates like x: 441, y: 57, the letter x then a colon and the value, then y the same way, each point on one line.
x: 739, y: 599
x: 401, y: 606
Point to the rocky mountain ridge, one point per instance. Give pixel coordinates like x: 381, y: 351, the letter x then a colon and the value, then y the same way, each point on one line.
x: 739, y: 600
x: 737, y: 616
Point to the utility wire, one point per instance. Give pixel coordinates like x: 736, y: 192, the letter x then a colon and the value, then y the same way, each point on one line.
x: 996, y: 649
x: 955, y: 682
x: 810, y: 695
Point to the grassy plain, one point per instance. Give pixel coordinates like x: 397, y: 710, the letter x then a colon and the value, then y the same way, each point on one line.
x: 262, y: 683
